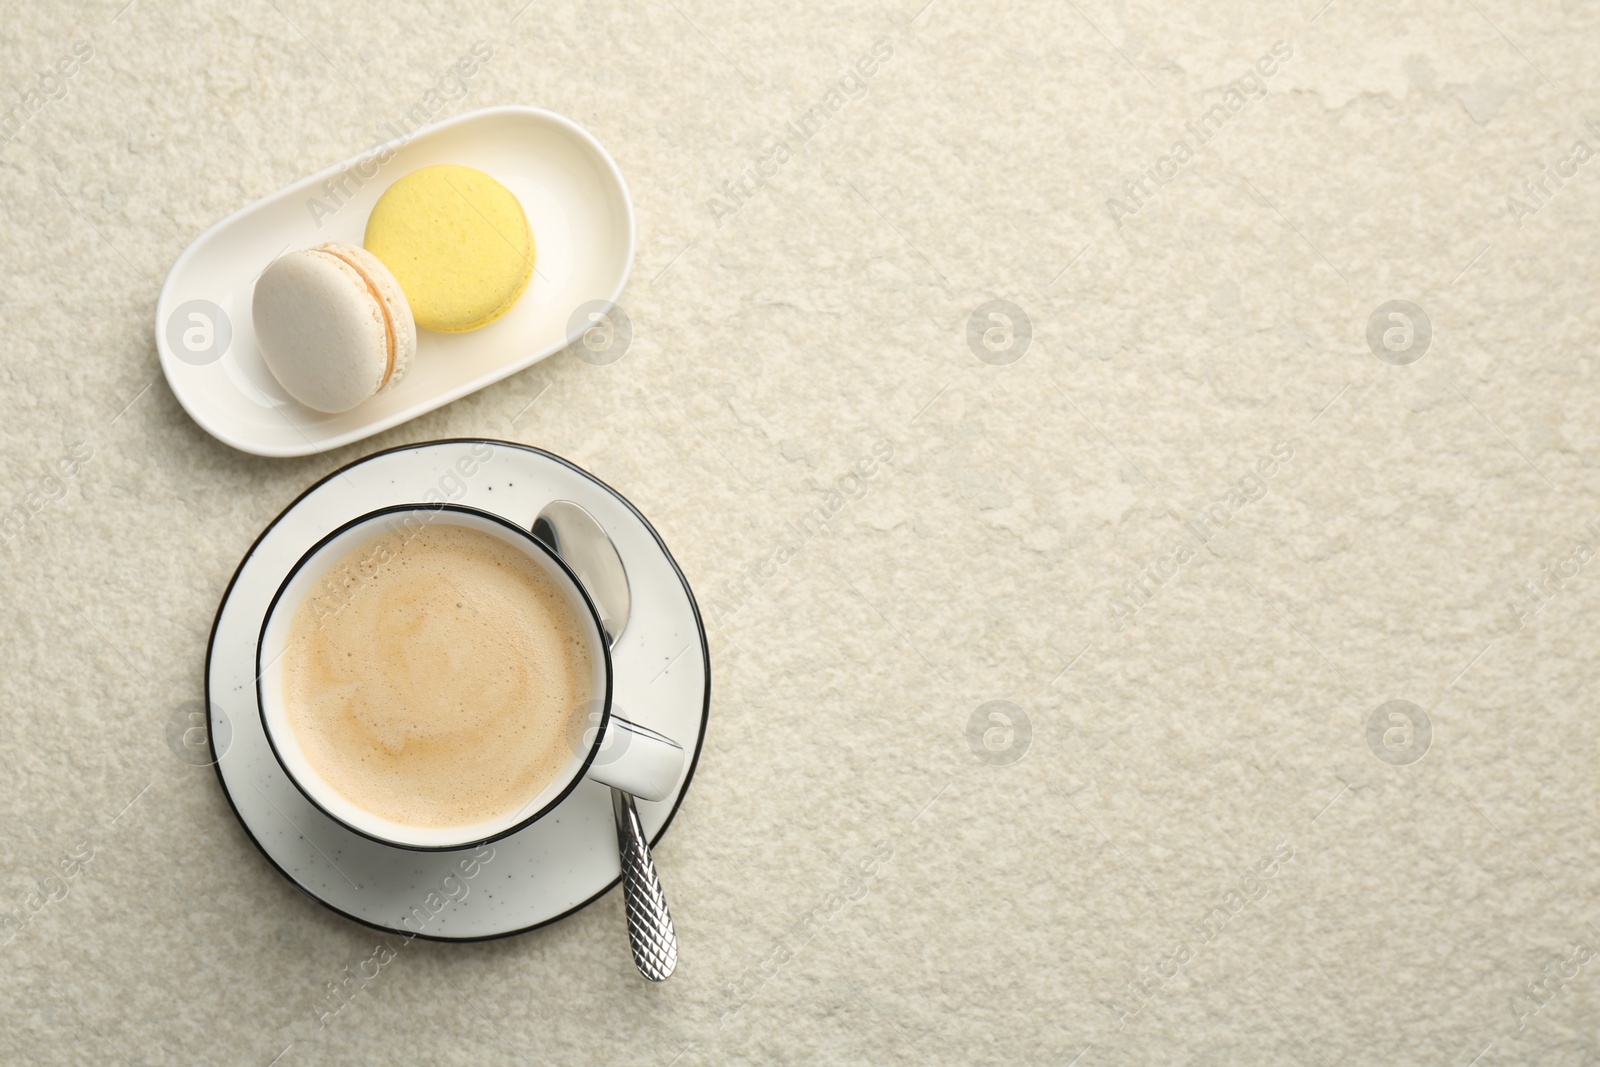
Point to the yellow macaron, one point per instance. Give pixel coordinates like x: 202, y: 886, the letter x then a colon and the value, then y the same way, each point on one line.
x: 458, y: 243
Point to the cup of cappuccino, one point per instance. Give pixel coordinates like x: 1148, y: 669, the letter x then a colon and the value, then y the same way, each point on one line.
x: 434, y: 677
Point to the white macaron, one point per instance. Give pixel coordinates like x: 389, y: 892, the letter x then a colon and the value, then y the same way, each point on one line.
x: 333, y: 325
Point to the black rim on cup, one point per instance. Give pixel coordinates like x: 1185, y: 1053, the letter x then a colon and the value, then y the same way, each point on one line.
x: 539, y: 549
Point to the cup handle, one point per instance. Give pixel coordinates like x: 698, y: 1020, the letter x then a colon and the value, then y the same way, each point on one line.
x: 637, y: 760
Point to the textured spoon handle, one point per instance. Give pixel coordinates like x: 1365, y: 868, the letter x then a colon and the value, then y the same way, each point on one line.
x: 655, y: 946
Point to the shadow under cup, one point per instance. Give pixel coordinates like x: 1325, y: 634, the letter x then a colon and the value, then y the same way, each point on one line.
x: 391, y: 528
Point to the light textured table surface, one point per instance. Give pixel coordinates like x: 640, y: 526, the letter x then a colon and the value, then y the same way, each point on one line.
x: 1188, y: 524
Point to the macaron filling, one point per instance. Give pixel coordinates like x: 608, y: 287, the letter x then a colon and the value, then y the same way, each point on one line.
x: 383, y: 307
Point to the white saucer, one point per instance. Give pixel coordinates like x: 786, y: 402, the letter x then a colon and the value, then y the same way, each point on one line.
x: 561, y: 863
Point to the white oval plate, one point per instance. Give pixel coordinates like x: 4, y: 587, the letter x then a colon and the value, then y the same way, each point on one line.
x: 568, y: 857
x: 582, y: 219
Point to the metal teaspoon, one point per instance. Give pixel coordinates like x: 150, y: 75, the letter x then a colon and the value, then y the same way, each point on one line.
x: 573, y: 534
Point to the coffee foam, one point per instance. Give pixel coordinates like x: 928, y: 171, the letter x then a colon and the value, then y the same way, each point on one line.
x: 447, y: 686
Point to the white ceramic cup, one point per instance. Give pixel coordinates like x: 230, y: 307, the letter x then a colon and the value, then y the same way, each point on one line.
x: 606, y: 747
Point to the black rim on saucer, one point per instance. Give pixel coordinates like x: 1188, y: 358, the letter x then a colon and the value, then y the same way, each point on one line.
x: 694, y: 607
x: 544, y: 551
